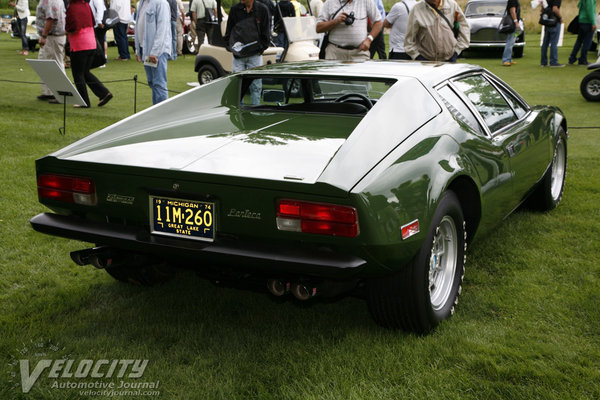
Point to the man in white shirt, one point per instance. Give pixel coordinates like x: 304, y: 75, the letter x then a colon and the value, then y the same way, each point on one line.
x: 123, y: 8
x: 397, y: 20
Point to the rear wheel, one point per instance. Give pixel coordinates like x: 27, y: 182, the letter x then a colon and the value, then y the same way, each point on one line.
x: 549, y: 192
x: 146, y: 275
x: 590, y: 86
x: 426, y: 290
x: 206, y: 74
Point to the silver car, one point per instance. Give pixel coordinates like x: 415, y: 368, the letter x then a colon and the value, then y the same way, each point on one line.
x: 484, y: 17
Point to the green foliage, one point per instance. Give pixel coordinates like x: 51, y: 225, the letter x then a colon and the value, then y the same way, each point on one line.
x: 527, y: 326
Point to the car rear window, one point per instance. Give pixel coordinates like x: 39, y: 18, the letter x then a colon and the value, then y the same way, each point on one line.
x: 312, y: 95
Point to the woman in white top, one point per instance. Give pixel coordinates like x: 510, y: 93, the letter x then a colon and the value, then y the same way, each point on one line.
x: 22, y: 9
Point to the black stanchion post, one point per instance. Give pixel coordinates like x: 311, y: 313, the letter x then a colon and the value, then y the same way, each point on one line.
x: 135, y: 94
x: 63, y: 130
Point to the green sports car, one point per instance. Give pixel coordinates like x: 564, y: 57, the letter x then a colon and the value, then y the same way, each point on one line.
x: 313, y: 179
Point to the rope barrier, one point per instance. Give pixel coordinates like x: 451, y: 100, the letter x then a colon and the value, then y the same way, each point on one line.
x: 103, y: 82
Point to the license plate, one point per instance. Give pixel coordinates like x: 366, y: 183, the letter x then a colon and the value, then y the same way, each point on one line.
x: 189, y: 219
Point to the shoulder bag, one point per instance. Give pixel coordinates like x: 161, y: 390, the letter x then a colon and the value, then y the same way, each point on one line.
x: 548, y: 18
x: 507, y: 25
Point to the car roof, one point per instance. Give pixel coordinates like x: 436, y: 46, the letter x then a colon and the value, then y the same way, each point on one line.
x: 429, y: 73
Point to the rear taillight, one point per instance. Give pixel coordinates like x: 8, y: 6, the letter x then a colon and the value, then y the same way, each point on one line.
x: 70, y: 189
x: 321, y: 218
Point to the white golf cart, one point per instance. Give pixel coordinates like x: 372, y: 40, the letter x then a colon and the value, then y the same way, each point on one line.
x: 214, y: 60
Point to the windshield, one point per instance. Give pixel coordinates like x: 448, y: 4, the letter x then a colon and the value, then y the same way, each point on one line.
x: 492, y: 8
x: 301, y: 28
x: 319, y: 95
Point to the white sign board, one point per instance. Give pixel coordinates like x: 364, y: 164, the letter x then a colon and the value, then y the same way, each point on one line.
x: 56, y: 80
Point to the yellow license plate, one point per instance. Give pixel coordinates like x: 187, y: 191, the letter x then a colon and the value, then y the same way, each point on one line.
x: 189, y: 219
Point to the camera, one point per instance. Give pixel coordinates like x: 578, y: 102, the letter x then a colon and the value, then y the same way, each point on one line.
x: 349, y: 18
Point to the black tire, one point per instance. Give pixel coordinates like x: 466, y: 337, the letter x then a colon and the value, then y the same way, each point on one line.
x: 147, y: 275
x: 206, y: 74
x: 550, y: 189
x: 410, y: 299
x: 590, y: 86
x: 518, y: 52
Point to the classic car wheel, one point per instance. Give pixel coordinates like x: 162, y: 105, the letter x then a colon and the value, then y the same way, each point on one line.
x: 207, y: 73
x: 425, y: 292
x: 549, y: 192
x: 590, y: 86
x: 147, y: 275
x: 188, y: 45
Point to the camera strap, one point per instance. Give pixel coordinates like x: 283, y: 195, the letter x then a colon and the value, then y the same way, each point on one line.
x: 340, y: 9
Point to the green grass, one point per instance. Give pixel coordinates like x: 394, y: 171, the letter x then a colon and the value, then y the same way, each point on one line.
x: 527, y: 326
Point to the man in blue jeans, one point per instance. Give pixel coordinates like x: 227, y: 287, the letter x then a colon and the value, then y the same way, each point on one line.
x: 249, y: 19
x: 551, y: 36
x: 513, y: 8
x: 153, y: 44
x: 123, y: 9
x: 587, y: 27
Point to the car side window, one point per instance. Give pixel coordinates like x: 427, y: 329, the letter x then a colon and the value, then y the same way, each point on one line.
x: 459, y: 109
x: 516, y: 105
x: 492, y: 106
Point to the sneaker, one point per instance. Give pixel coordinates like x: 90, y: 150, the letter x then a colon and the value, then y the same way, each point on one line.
x: 571, y: 62
x: 507, y: 64
x: 557, y: 65
x: 513, y: 62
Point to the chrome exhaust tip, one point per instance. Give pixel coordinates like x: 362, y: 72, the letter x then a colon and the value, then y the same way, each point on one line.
x: 277, y: 287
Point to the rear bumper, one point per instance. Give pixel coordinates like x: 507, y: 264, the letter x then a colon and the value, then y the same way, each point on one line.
x: 258, y: 257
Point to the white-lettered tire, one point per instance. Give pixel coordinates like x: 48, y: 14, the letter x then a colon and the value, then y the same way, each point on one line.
x: 425, y: 292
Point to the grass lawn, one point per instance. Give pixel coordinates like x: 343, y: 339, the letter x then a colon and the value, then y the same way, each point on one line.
x: 527, y: 326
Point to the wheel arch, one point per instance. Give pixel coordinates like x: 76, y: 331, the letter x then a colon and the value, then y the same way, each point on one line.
x: 203, y: 60
x: 470, y: 201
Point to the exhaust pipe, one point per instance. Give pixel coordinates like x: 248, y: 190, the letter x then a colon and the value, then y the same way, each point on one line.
x: 99, y: 257
x: 303, y: 292
x: 277, y: 287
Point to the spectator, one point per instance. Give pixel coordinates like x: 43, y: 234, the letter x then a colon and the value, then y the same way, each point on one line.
x: 587, y: 27
x: 50, y: 23
x: 397, y: 20
x: 248, y: 27
x: 174, y: 11
x: 514, y: 9
x: 98, y: 7
x: 180, y: 22
x: 199, y: 15
x: 378, y: 45
x: 22, y: 10
x: 346, y: 22
x: 123, y: 8
x: 315, y: 7
x: 153, y: 44
x: 284, y: 8
x: 192, y: 31
x: 437, y: 31
x: 80, y: 29
x: 551, y: 36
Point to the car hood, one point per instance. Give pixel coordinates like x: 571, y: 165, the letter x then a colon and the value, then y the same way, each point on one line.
x: 223, y: 142
x: 485, y: 21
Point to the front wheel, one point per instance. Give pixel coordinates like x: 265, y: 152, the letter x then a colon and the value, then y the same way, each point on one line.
x: 425, y: 292
x: 590, y: 86
x: 206, y: 74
